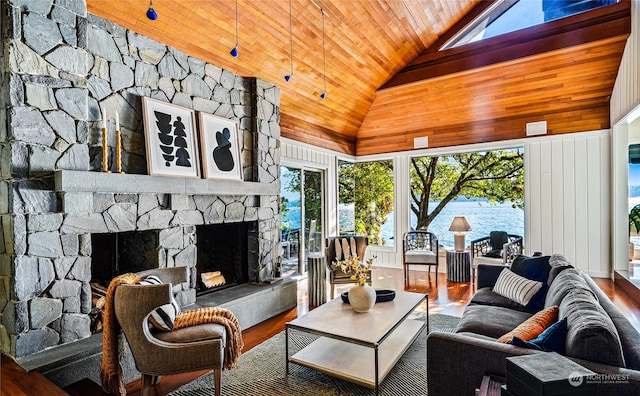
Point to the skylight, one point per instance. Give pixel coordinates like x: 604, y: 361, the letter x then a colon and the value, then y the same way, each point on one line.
x: 510, y: 15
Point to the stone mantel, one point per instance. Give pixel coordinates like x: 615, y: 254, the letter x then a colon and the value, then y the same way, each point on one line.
x: 81, y: 181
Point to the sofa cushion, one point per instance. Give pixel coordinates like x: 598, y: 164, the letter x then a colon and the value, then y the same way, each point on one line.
x: 486, y: 296
x: 532, y: 327
x: 557, y: 264
x: 516, y: 287
x: 475, y: 320
x: 534, y: 268
x: 565, y: 282
x: 591, y: 335
x: 552, y: 339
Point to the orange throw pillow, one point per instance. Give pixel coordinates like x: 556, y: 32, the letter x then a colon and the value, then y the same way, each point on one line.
x: 532, y: 327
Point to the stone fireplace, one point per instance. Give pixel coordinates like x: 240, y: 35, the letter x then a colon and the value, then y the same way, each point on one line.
x: 60, y: 214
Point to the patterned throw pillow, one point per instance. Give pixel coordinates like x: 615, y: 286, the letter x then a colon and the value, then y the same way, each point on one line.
x: 516, y: 287
x: 162, y: 318
x: 532, y: 327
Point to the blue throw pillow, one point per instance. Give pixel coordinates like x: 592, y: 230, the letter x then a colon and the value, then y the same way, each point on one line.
x: 552, y: 339
x: 536, y: 302
x: 534, y: 268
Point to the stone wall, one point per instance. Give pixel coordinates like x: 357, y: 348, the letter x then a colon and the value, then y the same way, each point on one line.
x: 61, y: 66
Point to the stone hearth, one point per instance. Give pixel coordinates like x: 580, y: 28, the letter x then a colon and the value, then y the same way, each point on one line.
x: 61, y: 66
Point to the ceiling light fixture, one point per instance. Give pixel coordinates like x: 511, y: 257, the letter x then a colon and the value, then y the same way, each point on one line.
x: 288, y: 76
x: 234, y: 51
x: 151, y: 13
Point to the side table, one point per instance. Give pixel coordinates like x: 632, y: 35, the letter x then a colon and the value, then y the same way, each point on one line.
x: 458, y: 266
x: 317, y: 279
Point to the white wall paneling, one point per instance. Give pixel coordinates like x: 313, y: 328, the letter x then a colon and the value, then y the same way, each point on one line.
x: 620, y: 197
x: 567, y: 204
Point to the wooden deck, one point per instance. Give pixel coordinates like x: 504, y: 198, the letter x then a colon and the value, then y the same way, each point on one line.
x: 447, y: 298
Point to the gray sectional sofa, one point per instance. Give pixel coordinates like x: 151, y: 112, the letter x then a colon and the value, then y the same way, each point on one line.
x: 597, y: 336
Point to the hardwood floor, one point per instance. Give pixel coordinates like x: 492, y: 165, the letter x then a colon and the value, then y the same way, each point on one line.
x: 447, y: 298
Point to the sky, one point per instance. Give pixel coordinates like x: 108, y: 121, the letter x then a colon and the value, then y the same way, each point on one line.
x: 634, y: 174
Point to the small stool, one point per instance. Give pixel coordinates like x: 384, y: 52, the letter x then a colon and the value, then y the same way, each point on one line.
x: 317, y: 279
x: 458, y: 266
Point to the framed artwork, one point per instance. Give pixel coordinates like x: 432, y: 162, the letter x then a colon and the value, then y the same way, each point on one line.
x: 220, y: 147
x: 171, y: 139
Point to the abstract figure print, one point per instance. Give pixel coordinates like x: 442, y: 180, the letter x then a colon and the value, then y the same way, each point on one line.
x: 220, y: 147
x: 171, y: 139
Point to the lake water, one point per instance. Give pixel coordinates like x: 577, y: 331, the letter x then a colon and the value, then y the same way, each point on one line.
x: 482, y: 217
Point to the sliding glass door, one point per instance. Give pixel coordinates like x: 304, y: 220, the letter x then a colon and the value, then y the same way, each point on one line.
x: 302, y: 208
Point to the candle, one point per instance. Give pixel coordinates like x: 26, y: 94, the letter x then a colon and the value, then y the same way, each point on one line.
x: 118, y: 149
x: 105, y: 147
x: 117, y: 122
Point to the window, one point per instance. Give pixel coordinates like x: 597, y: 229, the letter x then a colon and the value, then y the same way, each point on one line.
x: 510, y: 15
x: 487, y: 188
x: 302, y: 211
x: 365, y: 204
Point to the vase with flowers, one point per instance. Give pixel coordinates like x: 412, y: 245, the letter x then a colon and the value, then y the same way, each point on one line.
x: 362, y: 297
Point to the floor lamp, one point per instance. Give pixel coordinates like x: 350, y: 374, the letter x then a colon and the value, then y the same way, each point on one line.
x: 459, y: 226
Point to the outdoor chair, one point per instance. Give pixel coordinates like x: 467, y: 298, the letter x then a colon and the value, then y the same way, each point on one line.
x: 348, y: 246
x: 499, y: 248
x: 420, y: 248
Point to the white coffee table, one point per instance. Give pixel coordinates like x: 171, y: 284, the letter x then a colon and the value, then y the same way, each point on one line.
x: 358, y: 347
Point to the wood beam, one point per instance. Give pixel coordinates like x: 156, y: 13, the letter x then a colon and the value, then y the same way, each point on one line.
x: 590, y: 26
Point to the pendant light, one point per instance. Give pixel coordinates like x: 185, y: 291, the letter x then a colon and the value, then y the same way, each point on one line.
x: 151, y: 13
x: 234, y: 51
x: 288, y: 76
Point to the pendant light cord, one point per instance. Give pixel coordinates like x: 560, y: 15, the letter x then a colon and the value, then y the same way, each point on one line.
x: 236, y: 23
x: 324, y: 54
x: 291, y: 36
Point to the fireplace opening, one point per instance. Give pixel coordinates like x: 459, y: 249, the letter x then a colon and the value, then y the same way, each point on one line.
x: 116, y: 254
x: 121, y: 253
x: 223, y: 255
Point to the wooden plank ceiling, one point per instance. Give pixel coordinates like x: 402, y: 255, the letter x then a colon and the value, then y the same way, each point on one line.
x: 385, y: 43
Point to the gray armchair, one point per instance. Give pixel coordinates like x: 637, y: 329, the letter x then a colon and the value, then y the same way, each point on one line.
x: 336, y: 275
x: 499, y: 248
x: 420, y: 248
x: 166, y: 352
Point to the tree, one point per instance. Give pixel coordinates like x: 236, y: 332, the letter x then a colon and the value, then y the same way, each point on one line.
x: 369, y: 186
x: 495, y: 175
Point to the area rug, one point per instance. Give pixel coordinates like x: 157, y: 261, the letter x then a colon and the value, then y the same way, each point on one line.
x: 262, y: 372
